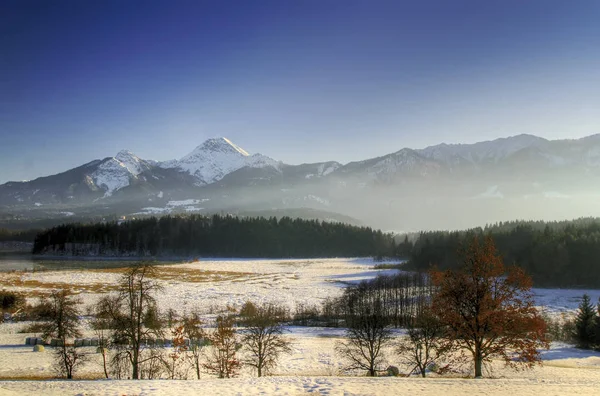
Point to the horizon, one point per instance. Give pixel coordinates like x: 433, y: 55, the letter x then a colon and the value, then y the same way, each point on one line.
x: 129, y: 150
x: 299, y: 82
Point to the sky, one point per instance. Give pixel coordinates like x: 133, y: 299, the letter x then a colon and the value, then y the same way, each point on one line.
x: 299, y: 81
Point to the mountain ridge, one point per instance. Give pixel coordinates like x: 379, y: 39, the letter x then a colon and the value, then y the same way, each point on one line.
x: 219, y: 175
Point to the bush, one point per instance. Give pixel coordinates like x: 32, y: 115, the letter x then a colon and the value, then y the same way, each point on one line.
x: 248, y: 309
x: 11, y: 300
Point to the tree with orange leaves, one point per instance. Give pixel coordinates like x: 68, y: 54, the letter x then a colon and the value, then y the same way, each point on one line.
x: 488, y: 309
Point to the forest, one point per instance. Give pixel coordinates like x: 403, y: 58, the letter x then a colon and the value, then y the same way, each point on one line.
x: 215, y: 236
x: 554, y: 254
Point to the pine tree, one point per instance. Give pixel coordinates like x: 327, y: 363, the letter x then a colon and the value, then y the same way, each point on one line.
x: 585, y: 323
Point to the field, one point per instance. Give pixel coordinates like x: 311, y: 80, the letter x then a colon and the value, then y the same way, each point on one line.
x: 213, y: 285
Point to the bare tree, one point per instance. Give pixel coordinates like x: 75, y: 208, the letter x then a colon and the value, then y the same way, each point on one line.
x: 263, y: 338
x: 133, y: 313
x: 101, y: 322
x: 193, y: 331
x: 62, y: 322
x: 423, y: 344
x: 367, y: 333
x: 222, y: 360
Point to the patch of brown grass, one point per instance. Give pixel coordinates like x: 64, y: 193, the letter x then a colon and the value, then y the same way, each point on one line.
x: 47, y: 377
x: 39, y: 288
x: 183, y: 274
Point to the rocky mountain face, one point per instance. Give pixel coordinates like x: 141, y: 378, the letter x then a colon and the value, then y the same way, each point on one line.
x: 447, y: 185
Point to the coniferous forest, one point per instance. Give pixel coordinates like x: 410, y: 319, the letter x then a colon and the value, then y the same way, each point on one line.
x: 215, y: 236
x: 554, y: 254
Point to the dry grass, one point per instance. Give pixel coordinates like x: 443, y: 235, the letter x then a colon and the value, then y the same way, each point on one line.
x: 182, y: 274
x: 41, y: 288
x: 47, y: 377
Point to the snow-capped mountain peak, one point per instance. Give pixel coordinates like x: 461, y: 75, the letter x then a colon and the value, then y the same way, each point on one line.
x: 216, y: 145
x: 132, y: 162
x: 111, y: 175
x: 217, y: 157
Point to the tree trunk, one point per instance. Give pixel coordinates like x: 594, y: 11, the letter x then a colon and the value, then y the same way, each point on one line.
x: 104, y: 362
x: 478, y: 364
x: 135, y: 372
x: 372, y: 370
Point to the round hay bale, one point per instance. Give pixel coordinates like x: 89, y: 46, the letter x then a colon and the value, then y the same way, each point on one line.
x: 28, y: 341
x: 393, y: 371
x: 101, y: 350
x: 38, y: 348
x: 87, y: 342
x: 95, y: 342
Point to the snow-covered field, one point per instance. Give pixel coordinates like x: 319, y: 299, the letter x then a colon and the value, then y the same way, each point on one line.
x: 313, y: 367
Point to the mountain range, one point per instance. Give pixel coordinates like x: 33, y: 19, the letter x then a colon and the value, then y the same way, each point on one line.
x: 442, y: 186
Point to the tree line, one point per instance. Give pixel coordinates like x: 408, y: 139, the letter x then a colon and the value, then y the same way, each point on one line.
x: 7, y: 235
x: 554, y: 254
x: 216, y: 236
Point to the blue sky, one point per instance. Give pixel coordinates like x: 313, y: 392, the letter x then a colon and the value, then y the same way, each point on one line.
x: 300, y: 81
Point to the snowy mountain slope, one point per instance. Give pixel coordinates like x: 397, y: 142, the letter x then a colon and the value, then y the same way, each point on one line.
x: 132, y: 162
x: 483, y: 152
x: 523, y: 170
x: 118, y: 172
x: 215, y: 158
x: 388, y: 168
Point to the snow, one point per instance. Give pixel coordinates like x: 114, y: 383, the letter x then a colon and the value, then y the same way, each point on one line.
x: 315, y: 198
x: 187, y: 205
x: 216, y: 158
x: 313, y: 366
x: 186, y: 202
x: 563, y: 300
x: 316, y: 385
x: 130, y: 161
x: 324, y: 169
x: 492, y: 151
x: 491, y: 192
x: 152, y: 210
x: 117, y: 172
x: 160, y: 194
x: 111, y: 176
x: 330, y: 169
x: 405, y: 160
